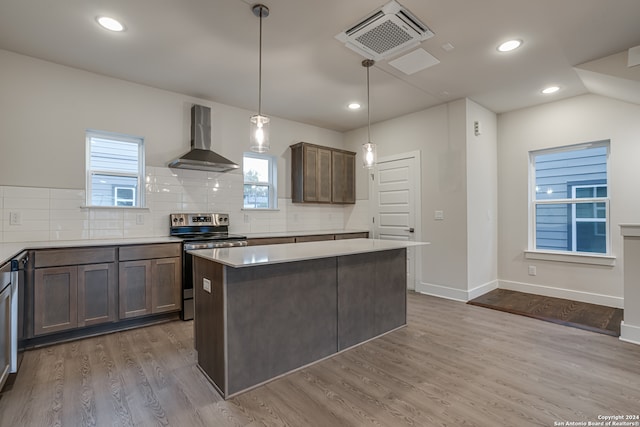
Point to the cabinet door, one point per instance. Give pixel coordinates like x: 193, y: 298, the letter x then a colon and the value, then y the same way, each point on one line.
x: 310, y: 174
x: 134, y: 288
x: 349, y: 188
x: 337, y: 177
x: 96, y: 294
x: 166, y: 284
x: 323, y: 176
x: 343, y: 177
x: 55, y: 299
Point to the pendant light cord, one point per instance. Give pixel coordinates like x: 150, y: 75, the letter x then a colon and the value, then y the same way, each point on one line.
x: 367, y: 63
x: 368, y: 109
x: 260, y: 68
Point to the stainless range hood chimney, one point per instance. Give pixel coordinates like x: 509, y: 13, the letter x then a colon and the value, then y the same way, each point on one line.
x: 201, y: 157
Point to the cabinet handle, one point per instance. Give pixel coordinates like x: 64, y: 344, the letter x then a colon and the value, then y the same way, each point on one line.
x: 410, y: 230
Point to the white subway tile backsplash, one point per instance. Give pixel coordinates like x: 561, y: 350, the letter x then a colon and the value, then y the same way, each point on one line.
x: 25, y: 203
x: 25, y: 235
x: 79, y: 234
x: 57, y: 214
x: 68, y: 214
x: 67, y: 194
x: 96, y: 234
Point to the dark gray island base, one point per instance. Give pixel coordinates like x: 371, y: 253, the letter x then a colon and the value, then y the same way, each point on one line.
x: 262, y: 321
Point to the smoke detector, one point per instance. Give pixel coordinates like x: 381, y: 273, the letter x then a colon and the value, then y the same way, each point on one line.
x: 385, y: 32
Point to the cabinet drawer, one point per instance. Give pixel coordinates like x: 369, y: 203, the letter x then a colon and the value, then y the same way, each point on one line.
x: 270, y: 241
x: 343, y: 236
x: 75, y: 256
x: 316, y: 238
x: 168, y: 250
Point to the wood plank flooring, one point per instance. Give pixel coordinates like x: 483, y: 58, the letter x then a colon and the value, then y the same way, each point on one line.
x: 454, y: 364
x: 592, y: 317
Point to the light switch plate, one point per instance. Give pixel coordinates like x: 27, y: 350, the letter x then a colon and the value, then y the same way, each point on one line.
x: 206, y: 284
x: 439, y: 215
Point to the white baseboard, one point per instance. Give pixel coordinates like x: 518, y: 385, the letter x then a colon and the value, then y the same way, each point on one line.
x: 549, y: 291
x: 482, y: 289
x: 629, y: 333
x: 455, y: 294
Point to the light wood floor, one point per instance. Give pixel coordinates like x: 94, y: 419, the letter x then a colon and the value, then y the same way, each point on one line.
x: 454, y: 365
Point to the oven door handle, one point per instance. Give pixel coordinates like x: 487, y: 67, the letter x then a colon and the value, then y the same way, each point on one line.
x: 214, y: 245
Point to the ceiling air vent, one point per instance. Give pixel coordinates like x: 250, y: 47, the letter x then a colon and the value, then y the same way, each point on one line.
x: 385, y: 32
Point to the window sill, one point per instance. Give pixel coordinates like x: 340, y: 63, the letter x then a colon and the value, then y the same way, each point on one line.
x: 578, y: 258
x: 260, y: 209
x: 133, y: 208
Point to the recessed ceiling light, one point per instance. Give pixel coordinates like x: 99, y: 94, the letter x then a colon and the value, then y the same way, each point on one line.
x: 354, y: 106
x: 110, y: 23
x: 509, y: 45
x: 551, y: 89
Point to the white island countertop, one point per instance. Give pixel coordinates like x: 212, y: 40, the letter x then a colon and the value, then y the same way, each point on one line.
x: 248, y: 256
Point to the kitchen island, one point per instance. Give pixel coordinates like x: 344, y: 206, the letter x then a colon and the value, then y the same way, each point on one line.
x: 264, y: 311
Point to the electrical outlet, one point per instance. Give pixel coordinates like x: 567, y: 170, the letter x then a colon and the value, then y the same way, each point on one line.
x: 247, y: 220
x: 439, y: 215
x: 15, y: 218
x: 140, y: 219
x: 532, y: 270
x: 206, y: 284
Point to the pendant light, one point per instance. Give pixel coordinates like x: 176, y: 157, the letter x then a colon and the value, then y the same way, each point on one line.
x: 369, y: 148
x: 259, y: 124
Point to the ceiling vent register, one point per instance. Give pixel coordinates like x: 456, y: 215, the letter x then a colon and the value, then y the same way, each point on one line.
x: 385, y: 32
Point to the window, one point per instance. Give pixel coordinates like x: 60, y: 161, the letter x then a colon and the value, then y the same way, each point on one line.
x: 115, y: 169
x: 570, y: 202
x: 260, y: 172
x: 125, y: 196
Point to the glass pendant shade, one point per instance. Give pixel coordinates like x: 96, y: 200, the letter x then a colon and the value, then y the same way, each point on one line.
x: 259, y: 134
x: 369, y: 156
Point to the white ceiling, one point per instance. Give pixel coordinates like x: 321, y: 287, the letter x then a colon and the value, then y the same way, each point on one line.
x: 209, y: 49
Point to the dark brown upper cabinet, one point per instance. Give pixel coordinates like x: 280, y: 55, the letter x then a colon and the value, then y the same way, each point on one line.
x: 322, y: 174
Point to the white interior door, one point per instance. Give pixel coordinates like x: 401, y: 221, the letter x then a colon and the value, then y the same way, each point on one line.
x: 395, y: 204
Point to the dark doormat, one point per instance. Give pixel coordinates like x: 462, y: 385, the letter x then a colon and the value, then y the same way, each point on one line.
x: 592, y: 317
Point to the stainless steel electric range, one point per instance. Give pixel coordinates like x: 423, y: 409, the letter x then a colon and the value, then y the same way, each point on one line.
x: 200, y: 231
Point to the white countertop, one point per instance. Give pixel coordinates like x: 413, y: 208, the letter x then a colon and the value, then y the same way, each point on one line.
x: 259, y: 235
x: 274, y: 254
x: 9, y: 250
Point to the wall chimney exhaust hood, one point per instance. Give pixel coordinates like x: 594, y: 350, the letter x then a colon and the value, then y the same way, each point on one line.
x: 201, y: 157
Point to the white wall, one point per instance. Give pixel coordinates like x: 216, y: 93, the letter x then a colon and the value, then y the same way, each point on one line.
x: 45, y: 109
x: 441, y: 134
x: 571, y: 121
x: 482, y: 200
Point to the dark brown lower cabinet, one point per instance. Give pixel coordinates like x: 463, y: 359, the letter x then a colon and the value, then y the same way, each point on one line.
x: 73, y: 296
x: 134, y: 282
x: 97, y: 294
x: 149, y: 286
x: 166, y: 287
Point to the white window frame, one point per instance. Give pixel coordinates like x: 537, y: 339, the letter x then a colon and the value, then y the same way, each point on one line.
x: 139, y: 201
x: 575, y: 220
x: 272, y: 184
x: 568, y: 256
